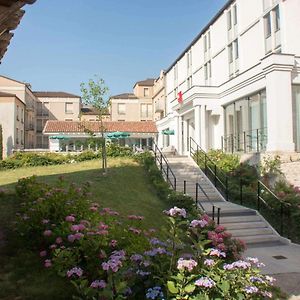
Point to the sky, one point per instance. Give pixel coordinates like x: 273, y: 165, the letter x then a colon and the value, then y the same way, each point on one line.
x: 61, y: 43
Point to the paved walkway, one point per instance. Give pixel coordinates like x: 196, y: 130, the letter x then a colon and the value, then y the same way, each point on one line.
x: 283, y: 263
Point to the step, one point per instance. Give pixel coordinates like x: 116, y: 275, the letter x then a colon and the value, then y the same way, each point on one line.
x: 230, y: 213
x: 260, y: 238
x: 241, y: 219
x: 241, y: 233
x: 246, y: 225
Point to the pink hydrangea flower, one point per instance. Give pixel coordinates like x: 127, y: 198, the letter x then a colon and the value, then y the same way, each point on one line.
x: 113, y: 243
x: 47, y: 233
x: 48, y: 263
x: 186, y: 264
x: 198, y: 223
x: 176, y: 212
x: 59, y: 240
x: 43, y: 253
x: 75, y: 271
x: 70, y: 219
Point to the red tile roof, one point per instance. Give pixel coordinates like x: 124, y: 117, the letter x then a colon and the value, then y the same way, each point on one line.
x: 77, y: 127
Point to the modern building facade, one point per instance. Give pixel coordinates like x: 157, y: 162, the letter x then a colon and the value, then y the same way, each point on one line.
x: 237, y: 85
x: 136, y: 106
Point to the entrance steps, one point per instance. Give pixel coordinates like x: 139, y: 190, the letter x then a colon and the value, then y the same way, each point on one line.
x: 243, y: 223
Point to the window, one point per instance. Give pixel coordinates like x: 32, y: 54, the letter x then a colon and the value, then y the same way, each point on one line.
x: 69, y: 107
x: 146, y: 92
x: 277, y: 18
x: 22, y: 138
x: 208, y: 40
x: 268, y: 28
x: 39, y: 125
x: 175, y: 73
x: 17, y: 136
x: 121, y: 120
x: 69, y: 120
x: 230, y: 53
x: 229, y: 21
x: 121, y: 109
x: 236, y: 49
x: 189, y: 82
x: 175, y: 93
x: 22, y: 115
x: 207, y: 70
x: 17, y: 112
x: 146, y: 111
x: 234, y: 15
x: 205, y: 43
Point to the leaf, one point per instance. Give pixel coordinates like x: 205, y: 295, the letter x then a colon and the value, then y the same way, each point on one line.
x: 172, y: 288
x: 189, y: 288
x: 225, y: 286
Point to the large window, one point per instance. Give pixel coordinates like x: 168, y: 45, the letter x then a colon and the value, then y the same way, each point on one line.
x: 246, y: 124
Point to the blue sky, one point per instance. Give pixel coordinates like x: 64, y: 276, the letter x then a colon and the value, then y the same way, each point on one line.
x: 61, y: 43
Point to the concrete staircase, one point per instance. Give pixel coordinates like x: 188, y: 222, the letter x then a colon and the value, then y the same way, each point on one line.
x: 243, y: 223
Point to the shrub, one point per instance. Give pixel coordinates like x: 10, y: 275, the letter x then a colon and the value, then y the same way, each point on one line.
x: 1, y: 143
x: 109, y: 256
x: 86, y: 155
x: 114, y: 150
x: 226, y: 162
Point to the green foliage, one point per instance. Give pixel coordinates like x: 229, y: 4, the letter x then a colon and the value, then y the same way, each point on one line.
x: 270, y: 166
x: 226, y: 162
x: 114, y: 150
x: 25, y: 159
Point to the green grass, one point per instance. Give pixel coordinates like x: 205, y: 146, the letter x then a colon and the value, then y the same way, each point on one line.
x: 125, y: 188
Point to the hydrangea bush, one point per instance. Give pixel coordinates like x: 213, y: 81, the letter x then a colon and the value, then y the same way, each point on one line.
x: 106, y: 255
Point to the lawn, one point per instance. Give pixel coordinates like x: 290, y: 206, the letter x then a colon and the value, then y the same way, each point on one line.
x: 125, y: 188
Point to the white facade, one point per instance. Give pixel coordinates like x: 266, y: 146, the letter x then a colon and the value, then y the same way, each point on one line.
x: 238, y: 81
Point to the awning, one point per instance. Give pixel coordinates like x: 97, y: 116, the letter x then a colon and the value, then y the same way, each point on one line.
x: 58, y: 137
x: 168, y: 132
x: 118, y: 135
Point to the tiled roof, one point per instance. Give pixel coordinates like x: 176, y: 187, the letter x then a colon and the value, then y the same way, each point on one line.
x: 77, y: 127
x: 54, y: 95
x: 124, y: 96
x: 147, y: 82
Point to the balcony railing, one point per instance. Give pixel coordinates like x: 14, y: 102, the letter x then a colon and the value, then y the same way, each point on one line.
x: 247, y: 141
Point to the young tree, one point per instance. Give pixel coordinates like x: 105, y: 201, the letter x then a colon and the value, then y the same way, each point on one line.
x: 94, y: 93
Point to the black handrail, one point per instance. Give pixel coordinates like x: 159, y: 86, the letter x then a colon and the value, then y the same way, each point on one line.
x: 161, y: 160
x: 226, y: 186
x: 198, y: 186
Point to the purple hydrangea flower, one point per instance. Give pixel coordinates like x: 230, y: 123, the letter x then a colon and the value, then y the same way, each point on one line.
x: 98, y: 284
x: 198, y: 223
x: 251, y: 289
x: 176, y: 212
x: 209, y: 262
x: 155, y: 293
x: 217, y: 252
x: 75, y: 271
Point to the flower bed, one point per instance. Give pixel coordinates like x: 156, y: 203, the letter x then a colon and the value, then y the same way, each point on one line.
x: 106, y: 255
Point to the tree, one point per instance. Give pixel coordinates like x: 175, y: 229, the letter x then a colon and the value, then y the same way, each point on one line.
x: 94, y: 93
x: 1, y: 143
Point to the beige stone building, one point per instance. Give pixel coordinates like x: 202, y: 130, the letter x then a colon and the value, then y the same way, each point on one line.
x: 54, y: 106
x: 136, y: 106
x: 13, y: 123
x: 159, y: 96
x: 23, y: 92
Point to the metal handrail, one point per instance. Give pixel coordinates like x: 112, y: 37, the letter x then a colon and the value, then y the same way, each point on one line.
x: 224, y: 188
x: 207, y: 197
x: 160, y: 158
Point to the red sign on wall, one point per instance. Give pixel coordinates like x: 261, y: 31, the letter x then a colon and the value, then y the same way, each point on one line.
x: 179, y: 97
